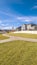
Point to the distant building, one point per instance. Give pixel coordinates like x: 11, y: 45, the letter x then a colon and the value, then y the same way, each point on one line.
x: 5, y: 31
x: 18, y: 28
x: 27, y: 27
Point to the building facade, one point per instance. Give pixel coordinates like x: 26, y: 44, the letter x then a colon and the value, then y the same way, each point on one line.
x: 27, y: 27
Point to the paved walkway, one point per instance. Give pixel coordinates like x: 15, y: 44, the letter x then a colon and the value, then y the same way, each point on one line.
x: 12, y: 38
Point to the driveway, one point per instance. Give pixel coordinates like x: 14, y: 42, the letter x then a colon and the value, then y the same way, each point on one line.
x: 12, y: 38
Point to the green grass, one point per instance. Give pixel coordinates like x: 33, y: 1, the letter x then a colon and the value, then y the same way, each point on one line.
x: 24, y: 35
x: 2, y: 37
x: 18, y: 53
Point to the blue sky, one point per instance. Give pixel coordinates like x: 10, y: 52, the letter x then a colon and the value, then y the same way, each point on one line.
x: 17, y: 12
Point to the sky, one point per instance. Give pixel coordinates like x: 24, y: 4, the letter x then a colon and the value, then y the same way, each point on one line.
x: 14, y: 13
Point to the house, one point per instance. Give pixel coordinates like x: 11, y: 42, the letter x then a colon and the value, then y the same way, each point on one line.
x: 2, y: 31
x: 27, y: 27
x: 18, y: 28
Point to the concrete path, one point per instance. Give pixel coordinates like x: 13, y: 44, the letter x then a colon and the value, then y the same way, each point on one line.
x: 12, y: 38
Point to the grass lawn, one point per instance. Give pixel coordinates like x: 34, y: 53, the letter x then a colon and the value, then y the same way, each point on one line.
x: 2, y: 37
x: 24, y: 35
x: 18, y: 53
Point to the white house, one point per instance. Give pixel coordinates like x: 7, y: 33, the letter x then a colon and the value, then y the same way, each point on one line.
x: 27, y: 27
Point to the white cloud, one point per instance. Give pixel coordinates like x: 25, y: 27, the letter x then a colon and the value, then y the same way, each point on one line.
x: 6, y: 24
x: 6, y: 13
x: 2, y: 24
x: 8, y: 27
x: 0, y: 21
x: 28, y: 18
x: 25, y: 18
x: 34, y: 7
x: 9, y: 14
x: 21, y: 19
